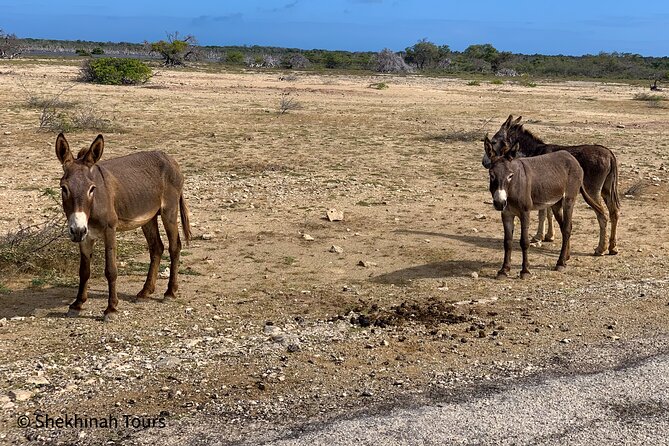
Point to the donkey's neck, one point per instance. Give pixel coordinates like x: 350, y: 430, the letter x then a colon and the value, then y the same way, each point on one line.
x: 529, y: 144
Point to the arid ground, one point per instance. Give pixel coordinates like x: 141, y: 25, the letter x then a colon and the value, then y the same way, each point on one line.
x: 274, y: 328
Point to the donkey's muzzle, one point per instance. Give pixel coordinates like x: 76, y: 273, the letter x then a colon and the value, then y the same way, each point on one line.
x: 499, y: 205
x: 77, y: 226
x: 78, y: 234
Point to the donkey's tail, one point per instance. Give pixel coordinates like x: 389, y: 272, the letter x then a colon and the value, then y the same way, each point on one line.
x: 185, y: 223
x: 595, y: 205
x: 614, y: 180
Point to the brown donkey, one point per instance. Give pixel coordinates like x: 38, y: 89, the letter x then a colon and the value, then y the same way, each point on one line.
x: 100, y: 198
x: 600, y: 175
x: 519, y: 186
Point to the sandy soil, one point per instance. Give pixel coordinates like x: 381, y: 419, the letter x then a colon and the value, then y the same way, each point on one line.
x: 272, y: 328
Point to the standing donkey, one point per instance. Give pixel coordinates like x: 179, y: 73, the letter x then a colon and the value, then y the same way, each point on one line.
x: 600, y: 175
x: 100, y: 198
x: 519, y: 186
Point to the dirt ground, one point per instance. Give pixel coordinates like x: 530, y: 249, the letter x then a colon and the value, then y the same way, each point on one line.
x: 271, y: 328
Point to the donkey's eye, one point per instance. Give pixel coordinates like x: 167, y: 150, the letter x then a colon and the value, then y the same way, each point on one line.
x: 64, y: 191
x: 90, y: 191
x: 509, y: 177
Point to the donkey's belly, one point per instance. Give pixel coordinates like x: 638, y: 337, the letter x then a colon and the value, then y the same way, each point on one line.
x: 127, y: 224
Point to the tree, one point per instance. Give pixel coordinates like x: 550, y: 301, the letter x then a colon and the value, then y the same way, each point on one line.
x: 9, y: 45
x: 423, y: 54
x: 486, y: 53
x: 175, y: 51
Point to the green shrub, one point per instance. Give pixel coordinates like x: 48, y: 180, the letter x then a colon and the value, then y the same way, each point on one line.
x: 379, y: 86
x: 97, y: 51
x: 473, y: 83
x: 115, y: 71
x: 497, y: 82
x: 80, y: 52
x: 235, y: 57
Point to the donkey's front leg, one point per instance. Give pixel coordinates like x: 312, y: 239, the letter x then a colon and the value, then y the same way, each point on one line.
x: 110, y: 273
x: 85, y: 252
x: 525, y: 242
x: 507, y: 221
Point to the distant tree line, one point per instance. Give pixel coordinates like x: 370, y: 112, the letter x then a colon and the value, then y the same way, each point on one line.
x: 424, y: 56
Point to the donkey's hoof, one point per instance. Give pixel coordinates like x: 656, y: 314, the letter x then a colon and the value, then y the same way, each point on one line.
x: 110, y: 317
x: 525, y: 275
x: 549, y: 238
x: 167, y: 297
x: 502, y: 275
x: 144, y: 294
x: 598, y: 252
x: 613, y: 251
x: 560, y: 268
x: 73, y: 313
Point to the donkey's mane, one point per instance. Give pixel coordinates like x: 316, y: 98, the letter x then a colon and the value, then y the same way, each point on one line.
x: 525, y: 137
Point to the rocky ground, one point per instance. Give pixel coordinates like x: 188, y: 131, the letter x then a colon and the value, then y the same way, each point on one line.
x: 284, y: 317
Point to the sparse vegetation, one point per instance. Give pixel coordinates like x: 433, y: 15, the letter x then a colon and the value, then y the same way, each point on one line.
x: 649, y: 97
x: 379, y: 86
x: 388, y: 61
x: 115, y: 71
x: 473, y: 83
x: 288, y: 103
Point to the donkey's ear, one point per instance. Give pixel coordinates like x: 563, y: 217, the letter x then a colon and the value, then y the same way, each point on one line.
x: 94, y: 152
x: 517, y: 121
x: 487, y: 146
x: 508, y: 121
x: 513, y: 151
x: 63, y: 152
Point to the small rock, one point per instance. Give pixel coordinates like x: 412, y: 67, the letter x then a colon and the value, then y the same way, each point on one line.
x: 475, y: 275
x: 480, y: 217
x: 337, y: 249
x: 8, y: 133
x: 621, y: 126
x: 564, y: 327
x: 334, y: 215
x: 366, y: 263
x: 164, y: 274
x: 366, y: 393
x: 292, y: 348
x: 38, y: 381
x: 20, y: 395
x: 565, y: 340
x: 207, y: 236
x: 307, y: 237
x: 168, y: 362
x: 272, y: 330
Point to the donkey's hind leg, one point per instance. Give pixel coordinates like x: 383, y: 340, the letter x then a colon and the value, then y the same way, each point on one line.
x: 614, y: 213
x: 170, y: 218
x: 541, y: 228
x: 156, y: 249
x: 550, y: 229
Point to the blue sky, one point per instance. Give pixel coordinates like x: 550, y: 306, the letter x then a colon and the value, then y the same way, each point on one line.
x: 523, y: 26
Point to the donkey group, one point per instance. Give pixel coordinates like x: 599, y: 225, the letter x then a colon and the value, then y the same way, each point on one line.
x: 103, y: 197
x: 549, y: 176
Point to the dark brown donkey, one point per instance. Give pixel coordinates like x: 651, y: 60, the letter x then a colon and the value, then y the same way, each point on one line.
x: 100, y: 198
x: 519, y: 186
x: 600, y: 174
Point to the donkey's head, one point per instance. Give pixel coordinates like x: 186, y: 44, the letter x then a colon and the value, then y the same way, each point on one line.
x: 77, y: 185
x: 501, y: 174
x: 502, y: 140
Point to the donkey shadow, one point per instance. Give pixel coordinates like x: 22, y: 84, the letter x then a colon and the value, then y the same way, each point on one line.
x: 51, y: 302
x: 481, y: 242
x: 550, y: 249
x: 435, y: 270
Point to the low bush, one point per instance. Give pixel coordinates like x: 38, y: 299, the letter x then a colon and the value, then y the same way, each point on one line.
x: 115, y: 71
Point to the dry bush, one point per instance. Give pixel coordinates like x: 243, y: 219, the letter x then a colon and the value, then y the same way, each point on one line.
x: 288, y: 103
